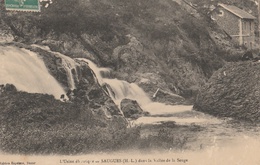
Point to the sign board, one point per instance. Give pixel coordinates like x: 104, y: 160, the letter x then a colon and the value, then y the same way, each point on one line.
x: 23, y: 5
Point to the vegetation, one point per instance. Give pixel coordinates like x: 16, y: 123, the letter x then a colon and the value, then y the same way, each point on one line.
x: 177, y: 54
x: 39, y: 124
x: 229, y: 87
x: 173, y: 48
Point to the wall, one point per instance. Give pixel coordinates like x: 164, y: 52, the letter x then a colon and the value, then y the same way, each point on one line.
x: 231, y: 24
x: 248, y: 31
x: 228, y: 21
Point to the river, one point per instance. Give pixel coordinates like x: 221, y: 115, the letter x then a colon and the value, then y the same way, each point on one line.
x: 213, y: 141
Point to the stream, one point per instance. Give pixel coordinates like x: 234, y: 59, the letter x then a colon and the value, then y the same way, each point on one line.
x: 209, y: 138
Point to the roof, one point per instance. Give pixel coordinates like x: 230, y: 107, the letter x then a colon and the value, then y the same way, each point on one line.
x: 237, y: 11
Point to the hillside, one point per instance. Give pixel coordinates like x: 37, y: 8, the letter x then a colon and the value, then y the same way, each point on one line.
x: 156, y: 44
x: 87, y: 76
x: 232, y: 91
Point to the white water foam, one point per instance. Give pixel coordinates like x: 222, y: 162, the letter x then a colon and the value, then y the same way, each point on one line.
x: 27, y: 72
x: 97, y: 71
x: 120, y: 90
x: 69, y: 64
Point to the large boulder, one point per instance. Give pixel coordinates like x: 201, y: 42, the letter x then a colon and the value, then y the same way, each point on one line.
x: 131, y: 108
x: 10, y: 88
x: 233, y: 91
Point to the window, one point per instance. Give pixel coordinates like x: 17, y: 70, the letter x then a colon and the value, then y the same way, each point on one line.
x: 252, y: 26
x: 244, y: 25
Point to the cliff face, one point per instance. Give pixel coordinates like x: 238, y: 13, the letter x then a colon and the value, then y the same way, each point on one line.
x: 232, y: 91
x: 156, y: 44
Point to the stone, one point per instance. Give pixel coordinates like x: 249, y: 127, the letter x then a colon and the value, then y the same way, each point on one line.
x: 10, y: 88
x: 233, y: 91
x: 131, y: 108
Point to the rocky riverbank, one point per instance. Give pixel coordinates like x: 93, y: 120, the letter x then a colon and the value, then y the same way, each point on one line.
x: 157, y: 52
x: 232, y: 91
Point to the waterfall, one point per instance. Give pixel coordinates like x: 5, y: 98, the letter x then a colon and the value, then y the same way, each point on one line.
x: 97, y: 71
x: 119, y: 90
x: 27, y: 72
x: 70, y: 66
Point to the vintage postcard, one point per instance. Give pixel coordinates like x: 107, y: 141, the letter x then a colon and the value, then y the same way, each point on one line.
x: 129, y: 82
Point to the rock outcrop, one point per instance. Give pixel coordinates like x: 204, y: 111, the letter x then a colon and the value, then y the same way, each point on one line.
x: 87, y: 93
x: 131, y: 109
x: 233, y: 91
x: 27, y: 117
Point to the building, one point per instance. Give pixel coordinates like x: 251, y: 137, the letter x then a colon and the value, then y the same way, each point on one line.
x: 239, y: 24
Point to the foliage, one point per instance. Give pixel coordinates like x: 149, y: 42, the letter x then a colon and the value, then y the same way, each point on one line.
x: 175, y: 43
x: 229, y: 87
x: 39, y: 124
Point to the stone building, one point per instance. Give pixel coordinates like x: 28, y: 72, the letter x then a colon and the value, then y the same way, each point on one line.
x: 239, y: 24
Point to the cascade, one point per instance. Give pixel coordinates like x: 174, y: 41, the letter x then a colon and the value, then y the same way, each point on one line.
x: 71, y: 69
x: 97, y: 71
x: 119, y: 90
x: 68, y: 64
x: 27, y: 72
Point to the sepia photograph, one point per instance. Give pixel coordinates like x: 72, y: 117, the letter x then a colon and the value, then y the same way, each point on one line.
x: 131, y: 82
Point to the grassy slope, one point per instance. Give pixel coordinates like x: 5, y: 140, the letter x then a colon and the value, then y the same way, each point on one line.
x: 38, y: 124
